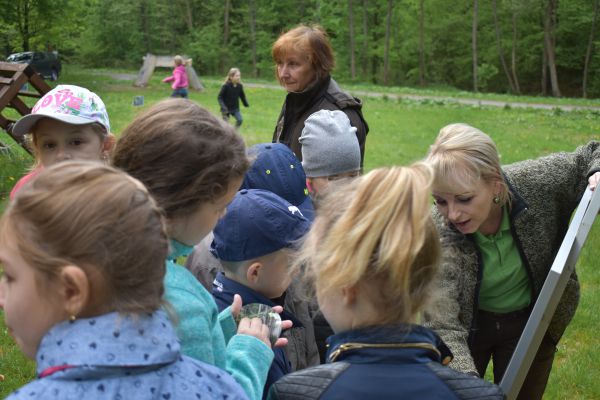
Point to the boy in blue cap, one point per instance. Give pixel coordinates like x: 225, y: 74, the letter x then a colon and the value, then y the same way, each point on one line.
x: 252, y: 242
x: 274, y: 168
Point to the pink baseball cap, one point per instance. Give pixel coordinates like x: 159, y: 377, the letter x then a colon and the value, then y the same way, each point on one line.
x: 67, y: 103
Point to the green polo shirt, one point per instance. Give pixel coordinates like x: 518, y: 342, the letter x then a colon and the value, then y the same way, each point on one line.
x: 505, y: 285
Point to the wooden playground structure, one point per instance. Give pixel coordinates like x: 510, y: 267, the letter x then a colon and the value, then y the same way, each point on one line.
x: 152, y: 61
x: 20, y: 81
x: 17, y: 81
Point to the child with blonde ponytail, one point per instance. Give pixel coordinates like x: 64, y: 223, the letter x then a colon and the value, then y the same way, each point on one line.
x: 373, y: 254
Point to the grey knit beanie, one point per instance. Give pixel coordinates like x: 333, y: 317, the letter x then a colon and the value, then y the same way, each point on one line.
x: 329, y: 145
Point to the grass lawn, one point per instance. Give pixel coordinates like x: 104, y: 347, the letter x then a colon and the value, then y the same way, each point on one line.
x: 400, y: 133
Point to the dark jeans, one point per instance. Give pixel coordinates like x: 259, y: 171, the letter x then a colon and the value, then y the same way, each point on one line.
x: 236, y: 114
x: 497, y: 337
x: 180, y: 92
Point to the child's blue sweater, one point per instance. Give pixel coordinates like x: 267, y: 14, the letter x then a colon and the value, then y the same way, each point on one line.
x: 114, y: 356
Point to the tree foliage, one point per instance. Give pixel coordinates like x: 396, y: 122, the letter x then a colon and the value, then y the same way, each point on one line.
x: 420, y: 42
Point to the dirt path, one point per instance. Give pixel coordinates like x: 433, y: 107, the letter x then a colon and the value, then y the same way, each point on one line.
x: 393, y: 96
x: 471, y: 102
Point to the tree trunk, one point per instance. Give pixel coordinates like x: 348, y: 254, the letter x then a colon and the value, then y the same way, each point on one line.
x: 544, y: 81
x: 386, y: 54
x: 474, y: 45
x: 145, y: 25
x: 500, y: 50
x: 365, y: 45
x: 421, y: 43
x: 225, y: 35
x: 590, y: 48
x: 549, y: 27
x: 23, y: 11
x: 226, y: 23
x: 252, y: 11
x: 351, y: 30
x: 189, y: 19
x: 544, y: 71
x: 513, y: 55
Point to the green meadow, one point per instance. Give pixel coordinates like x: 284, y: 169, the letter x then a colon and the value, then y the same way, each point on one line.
x: 400, y: 133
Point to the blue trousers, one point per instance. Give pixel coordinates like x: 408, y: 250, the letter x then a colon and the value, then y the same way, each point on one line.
x: 236, y: 114
x: 180, y: 92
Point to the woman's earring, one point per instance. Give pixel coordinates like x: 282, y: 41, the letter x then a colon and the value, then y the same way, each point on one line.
x: 496, y: 199
x: 72, y: 318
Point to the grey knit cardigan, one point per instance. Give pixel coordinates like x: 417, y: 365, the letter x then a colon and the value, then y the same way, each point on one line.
x: 544, y: 192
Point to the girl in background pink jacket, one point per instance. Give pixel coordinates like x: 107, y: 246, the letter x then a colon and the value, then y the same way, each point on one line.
x: 179, y: 78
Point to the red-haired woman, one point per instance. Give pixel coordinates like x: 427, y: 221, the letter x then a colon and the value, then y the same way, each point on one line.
x: 304, y: 60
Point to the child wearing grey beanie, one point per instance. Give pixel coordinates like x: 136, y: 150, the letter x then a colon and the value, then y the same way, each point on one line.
x: 329, y: 145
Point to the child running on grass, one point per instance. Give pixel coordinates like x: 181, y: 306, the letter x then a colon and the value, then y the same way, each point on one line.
x: 229, y: 97
x: 179, y: 78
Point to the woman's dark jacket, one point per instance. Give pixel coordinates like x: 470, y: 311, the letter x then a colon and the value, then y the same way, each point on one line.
x: 324, y: 95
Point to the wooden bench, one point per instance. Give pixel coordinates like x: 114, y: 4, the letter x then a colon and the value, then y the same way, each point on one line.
x: 152, y: 61
x: 13, y: 78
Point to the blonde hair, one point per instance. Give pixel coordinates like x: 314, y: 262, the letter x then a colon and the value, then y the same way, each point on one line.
x: 375, y: 232
x: 231, y: 73
x: 463, y: 155
x: 178, y: 60
x: 309, y: 41
x: 97, y: 218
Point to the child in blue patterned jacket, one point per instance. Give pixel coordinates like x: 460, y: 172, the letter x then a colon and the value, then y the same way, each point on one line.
x: 82, y: 246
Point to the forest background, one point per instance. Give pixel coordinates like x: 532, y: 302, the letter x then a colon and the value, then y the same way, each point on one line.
x: 532, y: 47
x: 536, y: 47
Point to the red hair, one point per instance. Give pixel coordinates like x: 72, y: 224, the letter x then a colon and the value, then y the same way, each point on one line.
x: 311, y: 41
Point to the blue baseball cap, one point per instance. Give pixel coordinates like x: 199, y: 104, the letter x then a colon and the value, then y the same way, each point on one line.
x: 257, y: 223
x: 277, y: 170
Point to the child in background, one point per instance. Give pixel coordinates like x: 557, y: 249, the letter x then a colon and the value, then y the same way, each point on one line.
x: 373, y: 253
x: 82, y: 296
x: 67, y: 123
x: 230, y: 94
x: 193, y: 164
x: 330, y: 149
x: 252, y: 242
x: 179, y: 78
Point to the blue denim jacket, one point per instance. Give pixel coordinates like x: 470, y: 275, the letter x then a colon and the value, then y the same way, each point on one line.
x: 122, y: 357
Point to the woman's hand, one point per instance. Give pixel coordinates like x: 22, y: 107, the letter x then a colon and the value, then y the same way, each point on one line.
x: 594, y: 180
